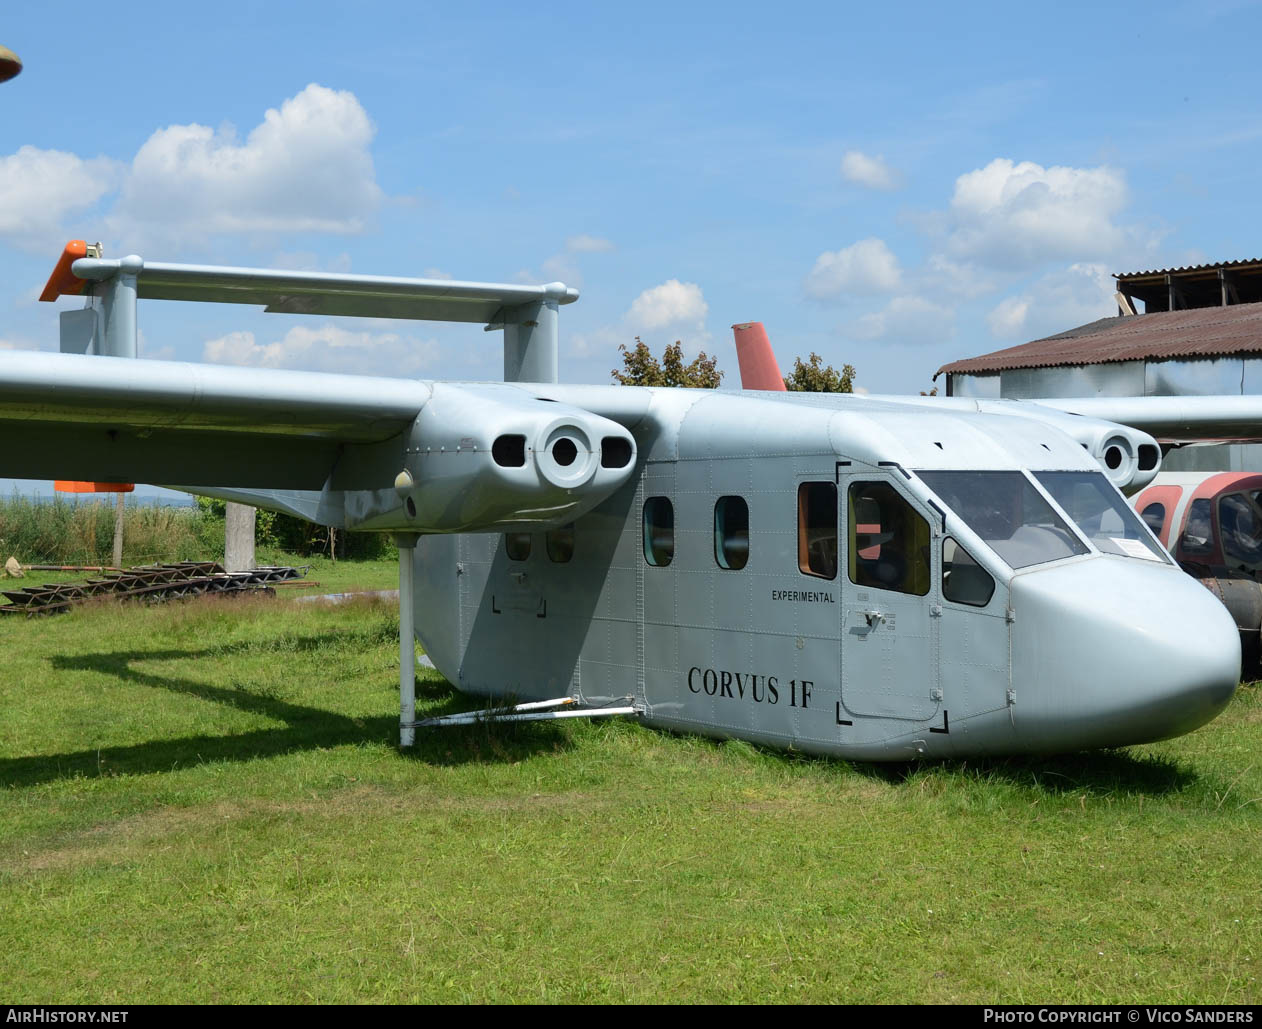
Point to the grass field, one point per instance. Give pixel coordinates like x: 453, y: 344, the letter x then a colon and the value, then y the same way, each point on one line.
x: 203, y: 802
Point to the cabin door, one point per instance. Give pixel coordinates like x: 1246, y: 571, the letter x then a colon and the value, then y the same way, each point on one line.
x: 890, y: 602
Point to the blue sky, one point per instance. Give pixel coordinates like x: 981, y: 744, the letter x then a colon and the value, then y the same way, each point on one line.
x: 893, y: 186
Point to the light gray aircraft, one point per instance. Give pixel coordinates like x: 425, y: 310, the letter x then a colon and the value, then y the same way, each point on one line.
x: 874, y: 578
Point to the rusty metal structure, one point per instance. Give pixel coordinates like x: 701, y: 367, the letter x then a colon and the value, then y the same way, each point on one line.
x: 150, y: 583
x: 1192, y: 286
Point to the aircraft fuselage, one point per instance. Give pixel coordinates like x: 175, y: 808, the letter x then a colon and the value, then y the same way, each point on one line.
x: 868, y: 580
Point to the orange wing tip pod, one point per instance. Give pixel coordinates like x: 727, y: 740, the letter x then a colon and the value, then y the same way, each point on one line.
x: 68, y: 486
x: 63, y: 281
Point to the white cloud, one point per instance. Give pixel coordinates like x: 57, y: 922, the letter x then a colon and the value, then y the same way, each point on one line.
x: 672, y: 303
x: 1021, y: 215
x: 955, y: 279
x: 677, y: 308
x: 309, y: 261
x: 1061, y: 300
x: 603, y: 340
x: 328, y: 348
x: 25, y: 343
x: 584, y: 244
x: 908, y: 320
x: 561, y: 268
x: 872, y: 172
x: 863, y: 268
x: 1007, y: 319
x: 304, y: 168
x: 39, y: 189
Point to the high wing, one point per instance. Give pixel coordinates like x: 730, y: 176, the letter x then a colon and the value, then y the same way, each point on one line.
x: 83, y: 417
x: 296, y: 292
x: 1174, y: 419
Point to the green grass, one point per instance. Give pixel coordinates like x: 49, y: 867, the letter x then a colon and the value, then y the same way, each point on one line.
x: 203, y: 802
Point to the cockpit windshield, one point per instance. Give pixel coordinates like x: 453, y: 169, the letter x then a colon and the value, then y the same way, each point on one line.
x: 1101, y: 514
x: 1008, y: 513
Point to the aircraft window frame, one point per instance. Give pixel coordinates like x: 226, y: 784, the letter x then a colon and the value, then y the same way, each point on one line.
x: 814, y: 535
x: 906, y: 569
x: 559, y: 544
x: 1039, y: 543
x: 948, y: 568
x: 513, y: 545
x: 1229, y: 531
x: 657, y: 534
x: 731, y: 538
x: 1082, y: 490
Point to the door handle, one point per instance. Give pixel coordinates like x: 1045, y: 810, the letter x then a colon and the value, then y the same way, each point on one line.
x: 874, y: 618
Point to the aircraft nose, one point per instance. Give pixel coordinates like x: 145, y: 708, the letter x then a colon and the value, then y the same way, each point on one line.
x: 1116, y: 651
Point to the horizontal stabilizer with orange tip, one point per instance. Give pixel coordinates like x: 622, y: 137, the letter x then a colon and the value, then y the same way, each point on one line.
x: 758, y: 364
x: 68, y: 486
x: 63, y: 281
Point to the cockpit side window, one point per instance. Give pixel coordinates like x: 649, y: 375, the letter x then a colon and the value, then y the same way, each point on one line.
x: 817, y: 529
x: 964, y: 581
x: 1240, y: 520
x: 1198, y: 537
x: 1154, y: 516
x: 517, y: 545
x: 889, y: 541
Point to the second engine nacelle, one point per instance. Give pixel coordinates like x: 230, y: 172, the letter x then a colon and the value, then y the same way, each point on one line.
x: 1130, y: 458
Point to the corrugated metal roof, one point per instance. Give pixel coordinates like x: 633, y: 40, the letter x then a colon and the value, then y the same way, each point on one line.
x: 1211, y: 266
x: 1165, y: 335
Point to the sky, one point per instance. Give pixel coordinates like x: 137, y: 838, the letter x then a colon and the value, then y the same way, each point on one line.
x: 893, y: 187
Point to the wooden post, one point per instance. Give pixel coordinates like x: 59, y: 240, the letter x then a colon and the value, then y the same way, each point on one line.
x: 120, y: 506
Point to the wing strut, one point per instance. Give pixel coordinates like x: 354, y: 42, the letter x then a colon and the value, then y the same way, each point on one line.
x: 536, y: 711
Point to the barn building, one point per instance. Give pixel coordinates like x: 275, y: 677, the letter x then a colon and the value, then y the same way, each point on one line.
x: 1200, y: 332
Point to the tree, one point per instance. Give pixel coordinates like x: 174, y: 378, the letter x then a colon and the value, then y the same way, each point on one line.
x: 809, y: 377
x: 641, y: 368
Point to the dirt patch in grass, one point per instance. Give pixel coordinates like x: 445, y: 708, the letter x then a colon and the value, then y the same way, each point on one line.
x: 134, y: 837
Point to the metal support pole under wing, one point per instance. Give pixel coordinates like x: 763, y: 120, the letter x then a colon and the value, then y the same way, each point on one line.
x: 406, y: 542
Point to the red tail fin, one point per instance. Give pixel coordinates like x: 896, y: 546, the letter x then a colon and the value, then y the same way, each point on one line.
x: 758, y: 363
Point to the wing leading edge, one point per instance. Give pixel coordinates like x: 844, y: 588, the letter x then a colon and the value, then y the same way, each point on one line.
x: 1174, y: 419
x: 83, y: 417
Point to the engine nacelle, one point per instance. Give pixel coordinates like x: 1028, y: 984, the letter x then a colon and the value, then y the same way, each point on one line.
x: 489, y: 458
x: 1130, y: 458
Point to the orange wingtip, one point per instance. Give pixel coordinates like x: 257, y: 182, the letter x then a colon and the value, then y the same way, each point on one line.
x: 63, y: 281
x: 68, y: 486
